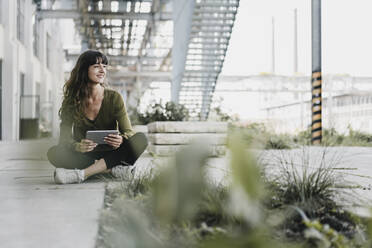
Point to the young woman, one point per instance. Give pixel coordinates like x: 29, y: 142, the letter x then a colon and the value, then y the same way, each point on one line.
x: 88, y: 105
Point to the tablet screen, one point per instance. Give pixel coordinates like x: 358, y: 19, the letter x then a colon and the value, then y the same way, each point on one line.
x: 97, y: 136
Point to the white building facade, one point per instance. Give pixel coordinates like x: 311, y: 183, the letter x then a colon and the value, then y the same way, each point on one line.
x: 347, y: 103
x: 31, y: 71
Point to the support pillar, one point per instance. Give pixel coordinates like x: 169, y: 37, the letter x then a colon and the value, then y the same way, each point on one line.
x: 316, y: 77
x: 182, y: 19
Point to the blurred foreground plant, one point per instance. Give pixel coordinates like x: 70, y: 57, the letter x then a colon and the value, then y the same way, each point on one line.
x: 179, y: 207
x: 178, y: 189
x: 257, y: 135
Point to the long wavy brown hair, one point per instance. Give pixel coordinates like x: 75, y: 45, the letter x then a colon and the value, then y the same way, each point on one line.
x: 76, y: 89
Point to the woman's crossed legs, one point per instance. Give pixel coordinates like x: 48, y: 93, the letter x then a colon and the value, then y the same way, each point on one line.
x: 83, y: 165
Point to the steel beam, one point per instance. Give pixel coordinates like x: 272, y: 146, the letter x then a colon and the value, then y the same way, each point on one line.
x: 75, y: 14
x: 213, y: 24
x: 154, y: 74
x: 58, y: 14
x: 211, y: 17
x: 214, y: 5
x: 118, y: 57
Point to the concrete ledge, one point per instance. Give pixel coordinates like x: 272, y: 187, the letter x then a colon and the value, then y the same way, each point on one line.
x: 169, y: 150
x: 187, y: 127
x: 186, y: 138
x: 140, y: 128
x: 26, y: 149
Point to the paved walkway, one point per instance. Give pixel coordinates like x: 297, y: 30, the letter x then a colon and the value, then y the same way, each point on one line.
x: 35, y: 212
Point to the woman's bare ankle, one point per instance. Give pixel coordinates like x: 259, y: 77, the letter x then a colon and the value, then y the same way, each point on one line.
x: 99, y: 166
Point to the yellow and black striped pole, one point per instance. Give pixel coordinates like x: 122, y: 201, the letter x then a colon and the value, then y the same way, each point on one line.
x: 316, y: 77
x: 316, y: 108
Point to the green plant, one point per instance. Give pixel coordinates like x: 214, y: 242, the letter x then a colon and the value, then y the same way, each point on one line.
x: 306, y: 179
x: 330, y: 137
x: 303, y: 137
x: 158, y: 112
x: 278, y: 142
x: 322, y: 235
x: 177, y: 206
x: 258, y: 136
x: 217, y: 114
x: 128, y: 224
x: 357, y: 138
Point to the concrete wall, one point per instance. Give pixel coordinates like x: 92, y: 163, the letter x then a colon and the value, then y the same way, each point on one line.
x: 339, y: 112
x: 18, y: 57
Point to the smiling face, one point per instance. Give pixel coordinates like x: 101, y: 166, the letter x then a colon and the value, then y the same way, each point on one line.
x: 97, y: 73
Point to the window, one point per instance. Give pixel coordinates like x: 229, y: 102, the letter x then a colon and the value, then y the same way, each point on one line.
x: 1, y: 93
x: 20, y: 20
x: 1, y: 14
x: 48, y: 50
x: 35, y: 36
x: 22, y: 84
x: 38, y: 87
x: 37, y: 103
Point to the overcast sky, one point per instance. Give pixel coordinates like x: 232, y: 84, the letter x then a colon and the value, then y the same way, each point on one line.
x: 346, y: 37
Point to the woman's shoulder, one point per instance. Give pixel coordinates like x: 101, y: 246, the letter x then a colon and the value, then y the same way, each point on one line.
x: 112, y: 93
x: 114, y: 96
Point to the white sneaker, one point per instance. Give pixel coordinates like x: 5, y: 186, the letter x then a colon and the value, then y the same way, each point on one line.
x: 123, y: 172
x: 64, y: 176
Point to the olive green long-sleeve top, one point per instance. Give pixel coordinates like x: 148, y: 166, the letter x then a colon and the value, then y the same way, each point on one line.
x: 112, y: 115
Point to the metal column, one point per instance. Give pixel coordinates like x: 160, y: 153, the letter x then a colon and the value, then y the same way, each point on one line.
x: 316, y: 77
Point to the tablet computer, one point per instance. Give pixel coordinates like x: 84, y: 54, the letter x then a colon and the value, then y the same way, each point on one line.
x: 97, y: 136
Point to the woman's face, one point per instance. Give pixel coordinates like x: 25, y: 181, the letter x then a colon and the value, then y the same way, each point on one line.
x: 97, y: 73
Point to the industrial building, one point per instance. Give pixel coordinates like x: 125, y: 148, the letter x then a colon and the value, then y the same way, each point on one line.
x: 180, y: 41
x: 30, y: 67
x: 347, y: 103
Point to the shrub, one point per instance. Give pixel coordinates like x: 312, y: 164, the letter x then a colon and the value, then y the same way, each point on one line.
x: 258, y: 136
x: 158, y: 112
x: 217, y: 114
x: 357, y: 138
x: 306, y: 179
x: 278, y: 142
x: 330, y: 137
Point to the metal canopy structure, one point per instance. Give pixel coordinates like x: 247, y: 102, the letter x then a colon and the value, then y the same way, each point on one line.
x: 137, y: 36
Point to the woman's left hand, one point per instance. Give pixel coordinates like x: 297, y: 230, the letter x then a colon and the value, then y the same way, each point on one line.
x: 114, y: 140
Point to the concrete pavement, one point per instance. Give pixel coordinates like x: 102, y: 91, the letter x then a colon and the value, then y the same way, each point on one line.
x: 34, y: 211
x: 351, y: 165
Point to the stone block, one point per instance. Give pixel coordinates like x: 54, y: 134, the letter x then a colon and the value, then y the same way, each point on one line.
x: 187, y: 127
x: 140, y: 128
x: 170, y: 150
x: 186, y: 138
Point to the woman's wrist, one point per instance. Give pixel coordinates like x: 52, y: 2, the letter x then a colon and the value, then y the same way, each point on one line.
x: 76, y: 146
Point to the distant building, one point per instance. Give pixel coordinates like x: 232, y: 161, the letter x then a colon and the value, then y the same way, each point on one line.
x: 31, y: 71
x: 348, y: 106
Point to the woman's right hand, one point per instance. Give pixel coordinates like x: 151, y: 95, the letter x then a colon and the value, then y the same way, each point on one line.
x: 85, y: 145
